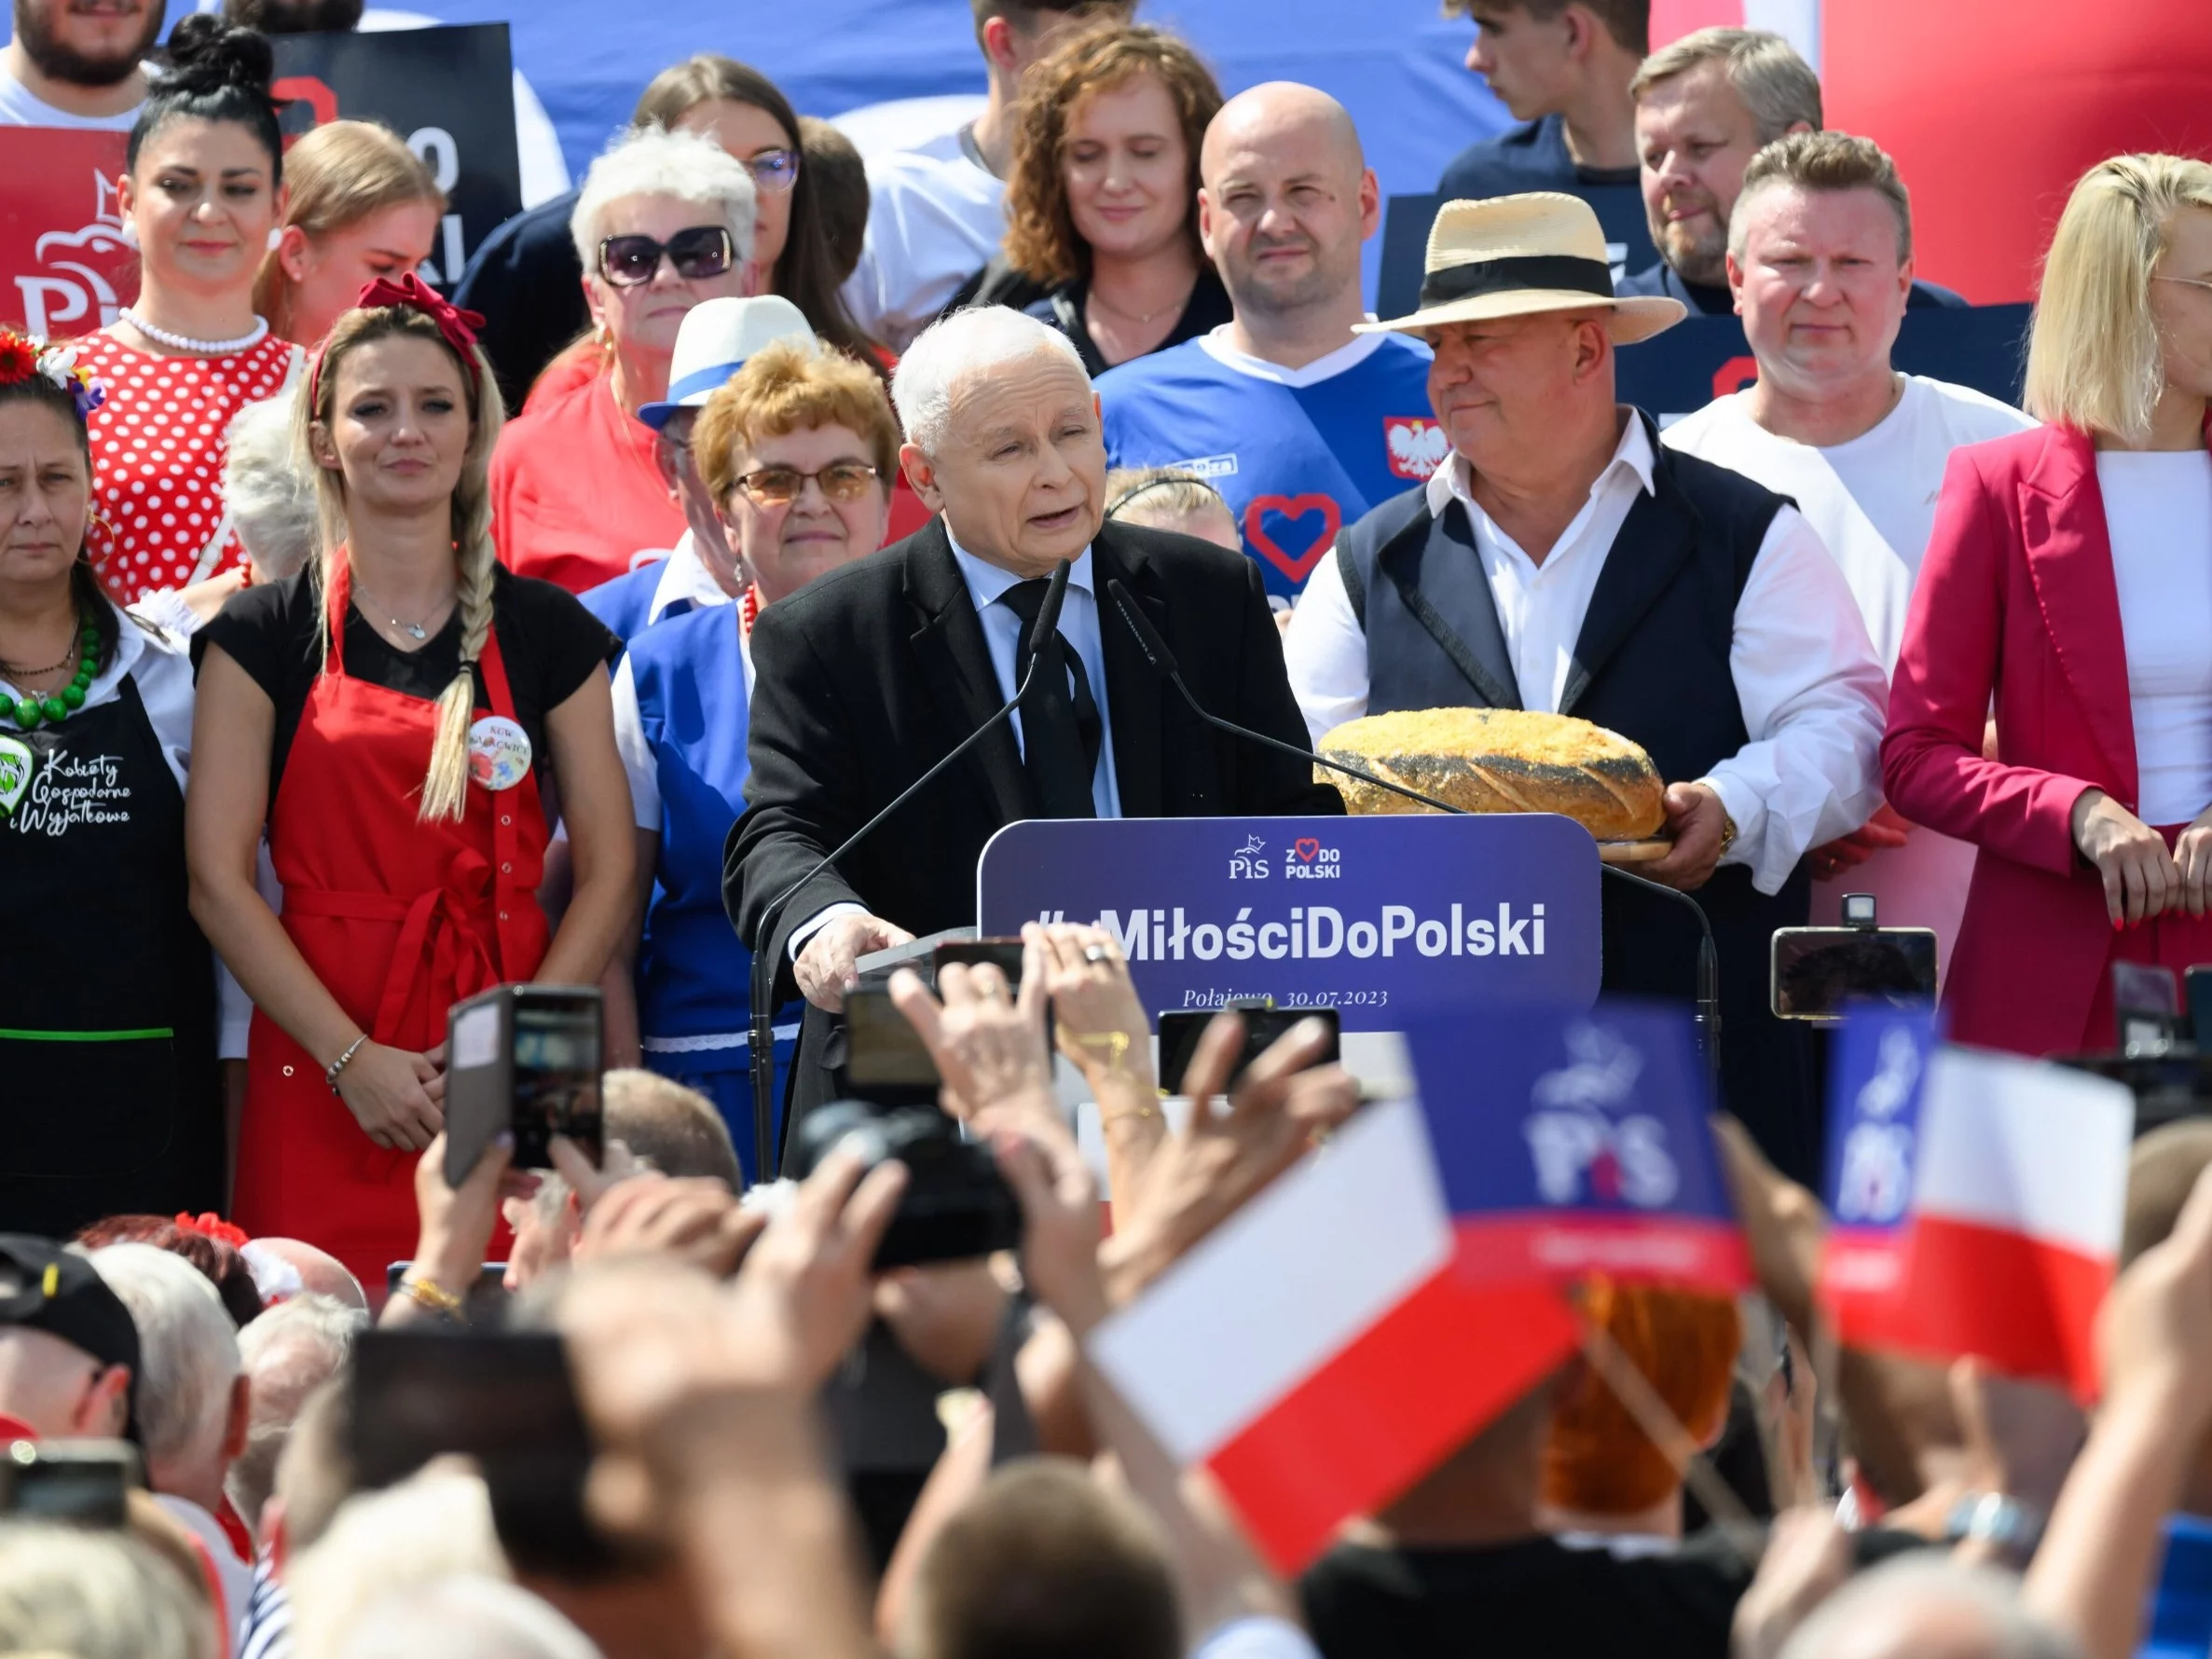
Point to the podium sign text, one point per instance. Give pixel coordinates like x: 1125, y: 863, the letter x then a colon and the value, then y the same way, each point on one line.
x: 1373, y: 916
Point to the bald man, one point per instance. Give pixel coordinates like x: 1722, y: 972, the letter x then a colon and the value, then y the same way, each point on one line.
x: 1300, y: 423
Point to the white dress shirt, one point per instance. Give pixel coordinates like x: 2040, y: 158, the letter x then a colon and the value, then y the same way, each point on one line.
x: 2158, y: 511
x: 684, y: 581
x: 934, y: 220
x: 1812, y: 690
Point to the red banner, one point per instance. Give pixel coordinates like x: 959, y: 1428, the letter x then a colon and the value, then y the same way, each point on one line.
x: 65, y: 267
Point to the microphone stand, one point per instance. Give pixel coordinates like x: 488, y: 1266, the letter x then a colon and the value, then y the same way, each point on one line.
x: 766, y: 1143
x: 1155, y: 649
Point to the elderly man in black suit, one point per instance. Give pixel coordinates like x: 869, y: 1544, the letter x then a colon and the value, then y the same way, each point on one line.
x: 870, y: 674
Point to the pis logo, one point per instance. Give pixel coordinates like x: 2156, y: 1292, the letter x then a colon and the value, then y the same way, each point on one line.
x: 1585, y: 1146
x: 1876, y: 1181
x: 1249, y: 863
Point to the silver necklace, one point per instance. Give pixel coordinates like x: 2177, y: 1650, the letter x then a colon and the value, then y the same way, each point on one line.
x: 179, y: 342
x: 412, y: 630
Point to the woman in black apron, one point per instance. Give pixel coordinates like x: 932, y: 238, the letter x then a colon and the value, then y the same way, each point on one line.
x: 108, y: 1096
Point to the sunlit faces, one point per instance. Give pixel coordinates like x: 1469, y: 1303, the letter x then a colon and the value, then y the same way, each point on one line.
x: 1524, y: 59
x: 1127, y: 169
x: 1286, y: 206
x: 1021, y: 476
x: 646, y: 318
x: 399, y: 426
x: 88, y: 43
x: 1694, y: 137
x: 2181, y: 307
x: 1497, y: 386
x: 202, y: 200
x: 45, y: 492
x: 749, y: 132
x: 328, y: 272
x: 1819, y: 284
x: 785, y: 545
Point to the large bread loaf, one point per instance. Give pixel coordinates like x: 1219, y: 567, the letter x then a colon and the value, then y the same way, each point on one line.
x: 1502, y: 760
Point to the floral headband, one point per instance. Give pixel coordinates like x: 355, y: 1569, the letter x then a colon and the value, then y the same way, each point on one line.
x: 23, y: 356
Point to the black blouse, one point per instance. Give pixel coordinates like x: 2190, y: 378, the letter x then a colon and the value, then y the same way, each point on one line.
x: 1208, y: 308
x: 549, y: 644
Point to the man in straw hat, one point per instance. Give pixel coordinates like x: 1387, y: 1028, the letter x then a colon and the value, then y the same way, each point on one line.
x: 1560, y: 560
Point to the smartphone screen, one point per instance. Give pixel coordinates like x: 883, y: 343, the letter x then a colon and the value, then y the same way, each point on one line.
x: 1819, y: 971
x: 1179, y: 1035
x: 1005, y: 955
x: 883, y: 1051
x: 558, y: 1038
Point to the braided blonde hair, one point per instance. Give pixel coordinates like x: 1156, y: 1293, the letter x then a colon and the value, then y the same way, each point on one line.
x: 444, y: 785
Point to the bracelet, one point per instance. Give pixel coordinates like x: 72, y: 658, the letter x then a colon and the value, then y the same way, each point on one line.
x: 331, y: 1075
x: 427, y: 1294
x: 1116, y: 1043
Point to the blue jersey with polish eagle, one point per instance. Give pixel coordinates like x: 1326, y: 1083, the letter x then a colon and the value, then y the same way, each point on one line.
x: 1297, y: 453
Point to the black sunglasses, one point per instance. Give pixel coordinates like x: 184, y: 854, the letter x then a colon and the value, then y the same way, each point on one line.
x: 633, y: 261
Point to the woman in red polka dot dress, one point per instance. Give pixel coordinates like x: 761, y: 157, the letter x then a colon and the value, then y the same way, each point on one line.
x: 201, y: 189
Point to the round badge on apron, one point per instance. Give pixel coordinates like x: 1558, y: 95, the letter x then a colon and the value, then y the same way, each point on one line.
x: 499, y: 752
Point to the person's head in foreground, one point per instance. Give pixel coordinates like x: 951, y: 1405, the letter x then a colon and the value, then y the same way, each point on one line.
x: 1821, y: 256
x: 192, y: 1394
x: 1003, y: 437
x: 463, y: 1617
x: 2121, y: 344
x: 76, y: 1593
x: 207, y: 1249
x: 288, y: 1353
x: 359, y: 204
x: 797, y: 453
x: 1705, y: 105
x: 69, y: 1352
x: 288, y: 1268
x: 1169, y: 499
x: 1918, y: 1608
x: 1545, y: 57
x: 1043, y: 1562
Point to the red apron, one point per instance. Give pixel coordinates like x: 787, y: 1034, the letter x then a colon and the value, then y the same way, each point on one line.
x: 399, y: 919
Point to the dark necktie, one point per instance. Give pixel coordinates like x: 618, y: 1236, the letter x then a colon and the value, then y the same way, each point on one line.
x: 1061, y: 730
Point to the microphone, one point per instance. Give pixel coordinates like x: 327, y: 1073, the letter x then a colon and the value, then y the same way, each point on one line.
x: 763, y: 977
x: 1155, y: 652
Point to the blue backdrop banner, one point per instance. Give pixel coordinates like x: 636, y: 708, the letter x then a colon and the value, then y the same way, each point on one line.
x: 1376, y: 917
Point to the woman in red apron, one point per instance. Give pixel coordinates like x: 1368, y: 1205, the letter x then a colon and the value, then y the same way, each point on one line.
x: 395, y: 715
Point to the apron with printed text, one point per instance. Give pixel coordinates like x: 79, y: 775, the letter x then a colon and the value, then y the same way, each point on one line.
x: 109, y: 1095
x: 399, y: 918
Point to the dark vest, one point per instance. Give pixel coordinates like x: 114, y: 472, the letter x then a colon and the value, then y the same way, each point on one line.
x: 1651, y: 663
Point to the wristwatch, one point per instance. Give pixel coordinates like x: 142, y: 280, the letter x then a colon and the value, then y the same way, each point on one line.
x: 1997, y: 1518
x: 1728, y: 830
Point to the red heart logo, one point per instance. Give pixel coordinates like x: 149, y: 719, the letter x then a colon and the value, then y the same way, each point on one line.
x: 1307, y: 848
x: 1298, y: 567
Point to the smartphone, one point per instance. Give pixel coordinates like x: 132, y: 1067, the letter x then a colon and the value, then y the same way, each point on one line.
x: 505, y: 1399
x: 2146, y: 1008
x: 882, y: 1049
x: 525, y: 1057
x: 1179, y: 1033
x: 1818, y: 972
x: 78, y: 1483
x: 2197, y: 987
x: 1005, y: 955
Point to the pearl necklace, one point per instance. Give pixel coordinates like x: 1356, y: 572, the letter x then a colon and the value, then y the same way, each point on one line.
x: 178, y: 342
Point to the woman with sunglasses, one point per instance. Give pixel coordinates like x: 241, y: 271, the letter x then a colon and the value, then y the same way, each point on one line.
x: 797, y: 451
x: 664, y: 220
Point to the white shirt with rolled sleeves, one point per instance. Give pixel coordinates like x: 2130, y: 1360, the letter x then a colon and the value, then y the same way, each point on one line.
x: 1812, y: 690
x: 934, y: 219
x: 1079, y: 625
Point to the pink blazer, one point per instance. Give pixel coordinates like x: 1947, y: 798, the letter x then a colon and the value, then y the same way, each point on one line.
x: 2016, y: 599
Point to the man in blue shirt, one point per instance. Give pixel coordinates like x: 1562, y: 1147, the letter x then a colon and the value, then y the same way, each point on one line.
x: 1300, y: 423
x: 1562, y: 68
x: 1705, y: 105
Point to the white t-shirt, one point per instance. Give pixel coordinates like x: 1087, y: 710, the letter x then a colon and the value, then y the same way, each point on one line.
x: 934, y: 220
x: 20, y: 108
x: 2158, y: 511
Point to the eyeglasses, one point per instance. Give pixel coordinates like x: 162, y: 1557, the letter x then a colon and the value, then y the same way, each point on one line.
x: 701, y: 251
x: 778, y: 487
x: 774, y: 171
x: 2186, y: 282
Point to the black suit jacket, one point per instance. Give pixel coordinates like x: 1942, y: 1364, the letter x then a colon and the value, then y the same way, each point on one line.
x: 869, y: 675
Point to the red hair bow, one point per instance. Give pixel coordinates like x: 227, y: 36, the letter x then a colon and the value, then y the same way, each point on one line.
x: 458, y: 326
x: 208, y: 1224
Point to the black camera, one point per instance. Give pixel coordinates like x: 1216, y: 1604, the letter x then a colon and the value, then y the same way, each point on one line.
x: 956, y: 1205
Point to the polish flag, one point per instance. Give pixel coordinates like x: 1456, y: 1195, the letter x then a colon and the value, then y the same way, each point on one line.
x: 2019, y: 1191
x: 1323, y: 1350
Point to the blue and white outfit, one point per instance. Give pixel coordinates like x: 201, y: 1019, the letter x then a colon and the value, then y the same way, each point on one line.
x: 634, y: 600
x: 681, y: 696
x: 1297, y: 453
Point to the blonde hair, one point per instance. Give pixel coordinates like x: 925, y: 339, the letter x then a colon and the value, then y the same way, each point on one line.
x: 96, y: 1595
x: 2095, y: 361
x: 446, y: 783
x: 1825, y: 162
x: 1776, y: 85
x: 340, y: 173
x: 1160, y: 495
x: 787, y: 386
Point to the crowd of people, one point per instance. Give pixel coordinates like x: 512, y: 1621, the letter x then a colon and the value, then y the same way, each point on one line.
x: 333, y: 694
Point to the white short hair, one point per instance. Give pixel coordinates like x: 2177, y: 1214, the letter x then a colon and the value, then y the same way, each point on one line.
x: 653, y: 161
x: 1889, y: 1592
x: 464, y: 1618
x: 289, y: 1352
x: 968, y: 342
x: 96, y: 1595
x: 269, y: 491
x: 428, y: 1527
x: 187, y: 1348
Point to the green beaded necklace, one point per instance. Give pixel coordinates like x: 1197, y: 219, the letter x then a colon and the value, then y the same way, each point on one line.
x: 34, y: 712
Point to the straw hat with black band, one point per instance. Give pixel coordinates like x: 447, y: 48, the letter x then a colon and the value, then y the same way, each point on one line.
x: 1517, y: 255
